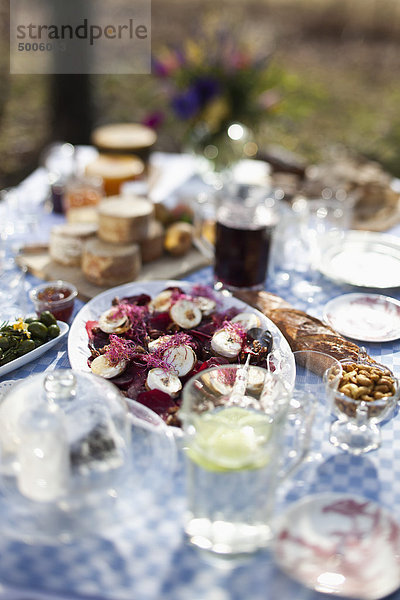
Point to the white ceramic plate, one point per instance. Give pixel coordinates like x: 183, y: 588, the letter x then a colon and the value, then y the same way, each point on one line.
x: 30, y: 356
x: 362, y: 259
x: 78, y: 351
x: 364, y: 317
x: 340, y: 544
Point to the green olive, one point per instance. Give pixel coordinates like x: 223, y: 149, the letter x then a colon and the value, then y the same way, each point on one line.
x: 53, y: 331
x: 30, y: 319
x: 38, y: 330
x: 47, y: 318
x: 7, y: 359
x: 4, y: 343
x: 25, y: 347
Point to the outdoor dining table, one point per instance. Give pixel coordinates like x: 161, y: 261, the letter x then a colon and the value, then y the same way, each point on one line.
x: 148, y: 558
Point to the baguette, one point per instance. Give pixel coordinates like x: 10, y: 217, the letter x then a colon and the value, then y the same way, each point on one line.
x: 302, y: 331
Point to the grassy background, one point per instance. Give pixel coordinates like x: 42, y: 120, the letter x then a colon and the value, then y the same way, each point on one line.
x: 335, y: 64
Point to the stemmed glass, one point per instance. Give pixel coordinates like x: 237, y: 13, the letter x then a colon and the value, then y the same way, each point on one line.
x: 21, y: 210
x: 19, y: 217
x: 304, y: 230
x: 356, y: 428
x: 310, y: 369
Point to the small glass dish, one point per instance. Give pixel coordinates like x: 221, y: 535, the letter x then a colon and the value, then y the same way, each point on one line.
x: 58, y: 297
x: 76, y: 458
x: 360, y: 406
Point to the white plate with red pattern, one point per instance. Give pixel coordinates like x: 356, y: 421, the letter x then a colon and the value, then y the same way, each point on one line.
x: 340, y: 544
x: 364, y: 317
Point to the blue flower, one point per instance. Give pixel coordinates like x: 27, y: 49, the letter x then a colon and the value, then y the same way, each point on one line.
x: 186, y: 104
x: 207, y: 88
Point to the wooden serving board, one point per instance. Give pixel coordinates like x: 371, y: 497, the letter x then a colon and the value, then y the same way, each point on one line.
x: 167, y: 267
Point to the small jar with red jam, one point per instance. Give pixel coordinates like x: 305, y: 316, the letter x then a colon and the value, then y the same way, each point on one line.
x: 56, y: 296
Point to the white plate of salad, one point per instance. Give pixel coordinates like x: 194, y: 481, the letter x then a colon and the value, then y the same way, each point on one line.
x: 150, y: 318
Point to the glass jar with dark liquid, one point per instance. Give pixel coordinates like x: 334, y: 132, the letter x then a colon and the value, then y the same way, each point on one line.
x: 245, y: 224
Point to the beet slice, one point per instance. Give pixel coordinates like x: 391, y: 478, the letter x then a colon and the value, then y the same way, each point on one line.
x: 132, y: 373
x: 138, y: 300
x: 215, y: 361
x: 137, y: 385
x: 157, y: 400
x: 160, y: 322
x: 90, y: 325
x: 99, y: 340
x: 175, y: 288
x: 203, y: 332
x: 227, y: 315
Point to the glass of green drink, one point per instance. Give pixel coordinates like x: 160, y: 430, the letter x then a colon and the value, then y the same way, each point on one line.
x: 235, y: 419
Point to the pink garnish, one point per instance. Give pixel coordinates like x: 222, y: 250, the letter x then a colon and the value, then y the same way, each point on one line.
x: 236, y: 329
x: 206, y: 292
x: 159, y: 358
x: 197, y: 291
x: 179, y: 339
x: 155, y: 361
x: 136, y: 315
x: 119, y: 349
x: 177, y: 295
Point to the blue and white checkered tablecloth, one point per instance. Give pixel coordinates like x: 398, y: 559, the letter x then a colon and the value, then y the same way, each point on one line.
x: 147, y: 557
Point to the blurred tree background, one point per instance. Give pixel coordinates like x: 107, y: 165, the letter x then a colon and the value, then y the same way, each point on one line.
x: 334, y: 63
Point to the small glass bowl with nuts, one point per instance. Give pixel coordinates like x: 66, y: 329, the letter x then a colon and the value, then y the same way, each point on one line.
x: 362, y: 395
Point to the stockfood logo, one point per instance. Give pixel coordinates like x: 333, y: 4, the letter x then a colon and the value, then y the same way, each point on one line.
x: 80, y: 36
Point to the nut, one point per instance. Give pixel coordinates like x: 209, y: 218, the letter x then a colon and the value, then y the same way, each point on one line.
x: 382, y: 388
x: 361, y: 391
x: 364, y: 380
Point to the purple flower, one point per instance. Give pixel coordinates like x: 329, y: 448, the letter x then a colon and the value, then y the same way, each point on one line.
x: 186, y: 104
x: 159, y: 68
x: 154, y: 119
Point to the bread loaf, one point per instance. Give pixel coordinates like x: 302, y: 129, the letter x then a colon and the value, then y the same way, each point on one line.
x: 302, y: 331
x: 153, y: 246
x: 125, y: 219
x: 109, y: 264
x: 67, y: 242
x: 115, y: 169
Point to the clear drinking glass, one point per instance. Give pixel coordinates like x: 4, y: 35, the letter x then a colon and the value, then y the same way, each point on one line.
x: 310, y: 369
x: 13, y: 295
x: 356, y: 429
x: 311, y: 366
x: 234, y: 419
x: 19, y: 219
x: 303, y: 230
x: 246, y: 217
x: 82, y: 190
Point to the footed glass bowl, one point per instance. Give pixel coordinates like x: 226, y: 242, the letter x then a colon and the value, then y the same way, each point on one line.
x: 362, y: 396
